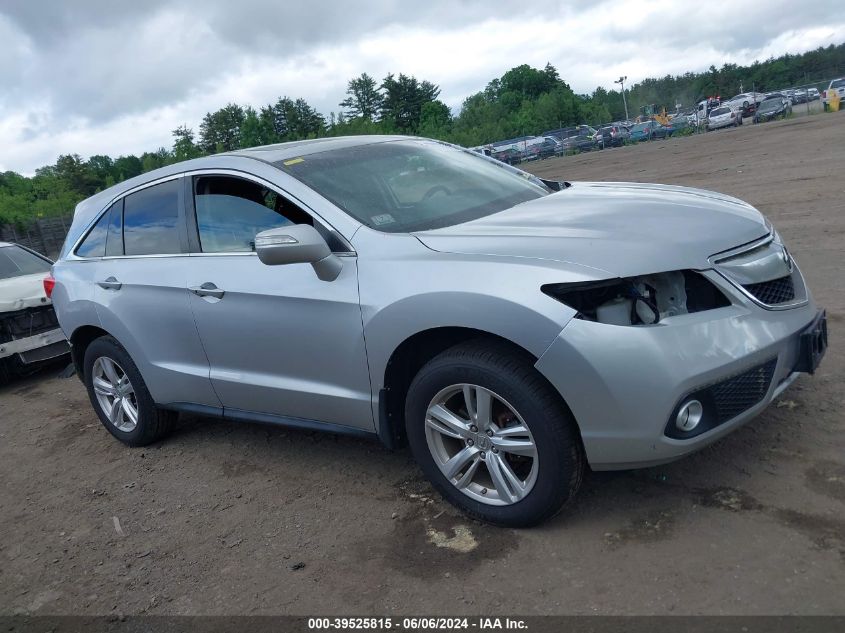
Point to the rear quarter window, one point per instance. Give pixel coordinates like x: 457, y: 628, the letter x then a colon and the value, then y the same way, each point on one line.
x: 94, y: 244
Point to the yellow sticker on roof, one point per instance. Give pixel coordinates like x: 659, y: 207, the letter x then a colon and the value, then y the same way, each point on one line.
x: 293, y: 161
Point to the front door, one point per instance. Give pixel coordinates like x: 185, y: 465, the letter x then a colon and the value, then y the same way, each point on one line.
x: 278, y: 340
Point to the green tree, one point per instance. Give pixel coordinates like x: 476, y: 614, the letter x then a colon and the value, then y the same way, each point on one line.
x: 222, y: 129
x: 184, y: 147
x: 363, y: 98
x: 404, y: 98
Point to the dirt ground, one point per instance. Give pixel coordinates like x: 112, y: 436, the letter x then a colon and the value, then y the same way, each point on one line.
x: 233, y: 519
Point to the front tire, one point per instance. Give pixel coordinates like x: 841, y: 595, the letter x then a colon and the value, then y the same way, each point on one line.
x: 492, y: 435
x: 120, y: 396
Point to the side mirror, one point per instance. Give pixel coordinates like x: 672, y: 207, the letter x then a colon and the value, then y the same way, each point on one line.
x: 298, y: 244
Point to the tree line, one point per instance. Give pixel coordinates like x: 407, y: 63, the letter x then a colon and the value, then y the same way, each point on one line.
x: 523, y: 101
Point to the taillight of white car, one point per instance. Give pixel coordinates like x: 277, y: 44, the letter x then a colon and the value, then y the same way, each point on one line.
x: 49, y: 284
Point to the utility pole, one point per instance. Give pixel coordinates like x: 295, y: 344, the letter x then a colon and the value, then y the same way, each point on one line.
x: 621, y: 82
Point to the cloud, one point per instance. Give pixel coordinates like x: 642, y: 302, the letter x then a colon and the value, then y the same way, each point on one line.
x: 100, y: 76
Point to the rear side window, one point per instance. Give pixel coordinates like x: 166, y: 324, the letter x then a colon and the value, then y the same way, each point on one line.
x: 151, y: 220
x: 16, y: 262
x: 94, y: 244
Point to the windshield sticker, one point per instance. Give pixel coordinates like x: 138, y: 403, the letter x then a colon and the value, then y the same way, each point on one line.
x: 384, y: 218
x: 293, y: 161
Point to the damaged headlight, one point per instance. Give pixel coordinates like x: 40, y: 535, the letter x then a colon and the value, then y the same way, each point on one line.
x: 642, y: 300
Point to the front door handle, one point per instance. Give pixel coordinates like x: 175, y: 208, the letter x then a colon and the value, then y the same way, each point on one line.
x: 208, y: 289
x: 110, y: 284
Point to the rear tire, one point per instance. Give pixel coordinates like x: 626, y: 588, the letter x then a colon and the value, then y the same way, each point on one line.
x: 120, y: 396
x: 520, y: 398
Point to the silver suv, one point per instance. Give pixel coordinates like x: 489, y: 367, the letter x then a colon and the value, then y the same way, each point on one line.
x: 511, y: 330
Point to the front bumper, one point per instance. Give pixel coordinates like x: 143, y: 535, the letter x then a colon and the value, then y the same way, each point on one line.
x: 623, y: 384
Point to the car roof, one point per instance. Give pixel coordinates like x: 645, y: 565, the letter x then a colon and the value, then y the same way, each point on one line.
x: 293, y: 149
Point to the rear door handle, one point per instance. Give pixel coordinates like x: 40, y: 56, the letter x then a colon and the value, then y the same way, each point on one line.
x: 110, y: 284
x: 208, y: 289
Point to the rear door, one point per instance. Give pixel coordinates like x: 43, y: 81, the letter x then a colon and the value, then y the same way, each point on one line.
x: 279, y: 341
x: 140, y: 292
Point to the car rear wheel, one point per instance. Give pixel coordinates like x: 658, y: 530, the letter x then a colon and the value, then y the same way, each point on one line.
x: 120, y: 397
x: 492, y: 435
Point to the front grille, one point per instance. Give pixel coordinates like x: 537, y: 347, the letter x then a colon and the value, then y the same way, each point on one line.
x: 773, y: 292
x: 740, y: 393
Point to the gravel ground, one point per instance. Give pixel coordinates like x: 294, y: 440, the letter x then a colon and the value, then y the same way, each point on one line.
x: 232, y: 519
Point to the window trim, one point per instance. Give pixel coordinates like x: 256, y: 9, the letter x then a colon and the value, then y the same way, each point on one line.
x: 186, y: 209
x: 195, y: 248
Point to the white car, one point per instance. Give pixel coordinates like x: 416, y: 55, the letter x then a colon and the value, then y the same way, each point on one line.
x: 837, y: 86
x: 723, y: 116
x: 29, y: 331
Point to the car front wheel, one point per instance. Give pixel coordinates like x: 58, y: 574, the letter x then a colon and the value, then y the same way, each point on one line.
x: 492, y: 435
x: 120, y: 397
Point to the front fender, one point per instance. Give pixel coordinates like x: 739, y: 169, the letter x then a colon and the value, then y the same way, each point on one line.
x: 406, y: 288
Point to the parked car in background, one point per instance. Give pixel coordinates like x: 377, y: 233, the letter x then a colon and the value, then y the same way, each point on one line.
x: 723, y: 116
x: 745, y: 102
x: 650, y: 130
x: 512, y: 330
x: 813, y: 94
x: 567, y: 132
x: 681, y: 122
x: 774, y: 107
x: 29, y: 331
x: 580, y: 142
x: 612, y: 136
x: 799, y: 96
x: 837, y: 86
x: 509, y: 155
x: 703, y: 110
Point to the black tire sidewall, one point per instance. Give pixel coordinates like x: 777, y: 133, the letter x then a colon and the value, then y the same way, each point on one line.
x: 110, y: 348
x: 552, y: 432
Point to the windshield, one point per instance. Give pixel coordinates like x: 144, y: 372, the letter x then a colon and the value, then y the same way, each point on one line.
x: 770, y: 104
x: 639, y: 127
x: 837, y: 83
x: 720, y: 111
x: 16, y: 262
x: 413, y: 185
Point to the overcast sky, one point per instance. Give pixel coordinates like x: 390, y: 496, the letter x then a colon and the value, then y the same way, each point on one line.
x: 115, y: 77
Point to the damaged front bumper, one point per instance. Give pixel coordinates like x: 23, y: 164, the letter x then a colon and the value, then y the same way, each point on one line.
x: 625, y: 385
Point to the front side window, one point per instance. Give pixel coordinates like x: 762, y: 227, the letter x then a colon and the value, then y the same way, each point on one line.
x: 17, y: 262
x: 151, y: 220
x: 401, y: 186
x: 232, y: 211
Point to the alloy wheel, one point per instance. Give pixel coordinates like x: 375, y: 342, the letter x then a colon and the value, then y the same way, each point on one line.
x: 481, y: 444
x: 115, y: 394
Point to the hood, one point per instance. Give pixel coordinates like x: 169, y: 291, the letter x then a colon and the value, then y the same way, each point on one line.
x: 623, y: 229
x: 26, y: 291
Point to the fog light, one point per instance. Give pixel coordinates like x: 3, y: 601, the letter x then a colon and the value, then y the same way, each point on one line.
x: 689, y: 415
